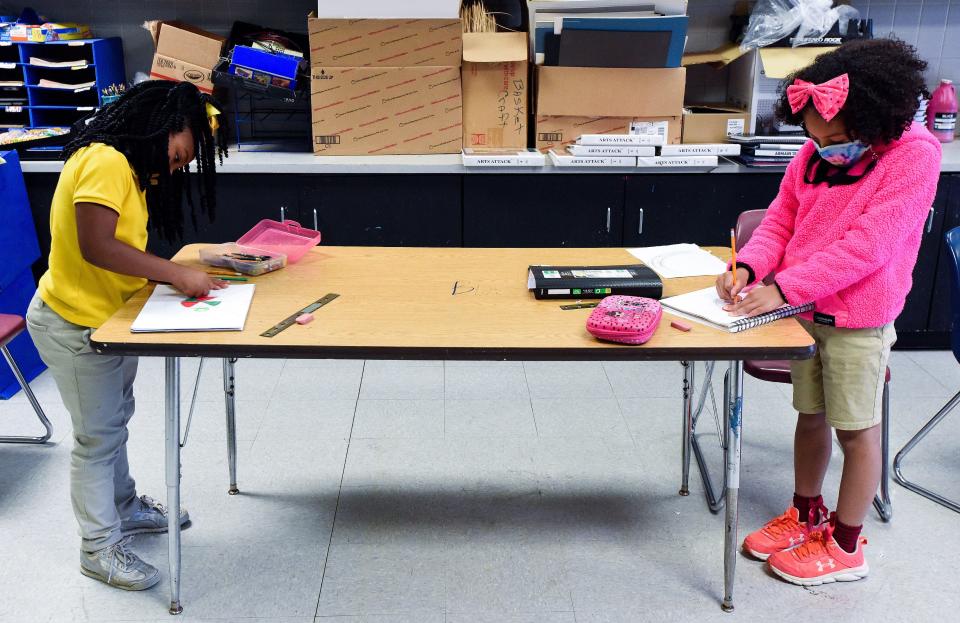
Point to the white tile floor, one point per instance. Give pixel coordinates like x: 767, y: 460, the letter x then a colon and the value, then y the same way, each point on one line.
x: 423, y: 492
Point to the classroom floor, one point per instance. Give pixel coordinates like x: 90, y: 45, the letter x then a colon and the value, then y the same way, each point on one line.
x: 389, y: 492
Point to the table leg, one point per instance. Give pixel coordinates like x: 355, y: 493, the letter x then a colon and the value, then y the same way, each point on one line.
x: 172, y: 367
x: 229, y: 387
x: 686, y: 439
x: 733, y: 422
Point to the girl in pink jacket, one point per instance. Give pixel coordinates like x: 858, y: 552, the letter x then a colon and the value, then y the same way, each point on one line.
x: 843, y: 232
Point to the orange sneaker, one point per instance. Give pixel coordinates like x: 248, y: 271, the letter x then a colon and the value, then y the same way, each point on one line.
x: 820, y: 561
x: 780, y: 533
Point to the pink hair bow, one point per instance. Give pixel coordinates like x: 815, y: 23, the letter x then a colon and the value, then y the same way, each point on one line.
x: 828, y: 97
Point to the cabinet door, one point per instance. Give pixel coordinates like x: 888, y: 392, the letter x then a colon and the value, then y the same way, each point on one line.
x: 385, y: 210
x: 916, y: 311
x: 243, y: 200
x: 697, y: 208
x: 561, y: 210
x: 940, y: 302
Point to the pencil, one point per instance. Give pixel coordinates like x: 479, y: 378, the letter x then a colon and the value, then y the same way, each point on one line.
x: 223, y: 278
x: 224, y: 272
x: 733, y: 252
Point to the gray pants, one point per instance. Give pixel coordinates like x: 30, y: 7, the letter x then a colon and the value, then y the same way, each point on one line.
x: 97, y: 390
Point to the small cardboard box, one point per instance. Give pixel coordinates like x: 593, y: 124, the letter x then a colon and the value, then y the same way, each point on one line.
x: 589, y: 100
x: 710, y: 123
x: 185, y: 53
x: 495, y: 93
x: 386, y: 86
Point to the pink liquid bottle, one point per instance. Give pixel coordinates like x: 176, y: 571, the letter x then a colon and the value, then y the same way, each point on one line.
x: 942, y: 112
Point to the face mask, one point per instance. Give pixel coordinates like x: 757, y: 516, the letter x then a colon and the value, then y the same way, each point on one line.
x: 843, y: 154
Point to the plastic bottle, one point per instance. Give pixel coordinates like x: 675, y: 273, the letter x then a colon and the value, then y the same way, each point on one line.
x: 942, y: 112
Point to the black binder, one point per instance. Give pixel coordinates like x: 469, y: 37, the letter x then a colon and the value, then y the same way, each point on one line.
x: 593, y: 282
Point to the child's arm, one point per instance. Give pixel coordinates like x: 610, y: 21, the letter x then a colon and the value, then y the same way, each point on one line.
x: 896, y: 211
x: 96, y: 229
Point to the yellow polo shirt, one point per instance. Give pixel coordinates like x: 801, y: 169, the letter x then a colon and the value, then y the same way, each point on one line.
x: 77, y: 290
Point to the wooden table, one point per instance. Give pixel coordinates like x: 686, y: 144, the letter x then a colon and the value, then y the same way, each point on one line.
x: 449, y: 303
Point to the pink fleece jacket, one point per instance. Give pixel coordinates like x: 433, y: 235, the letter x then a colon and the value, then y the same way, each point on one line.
x: 851, y: 248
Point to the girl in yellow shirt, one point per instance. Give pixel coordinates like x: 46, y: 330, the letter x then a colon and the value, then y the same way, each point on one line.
x: 127, y: 166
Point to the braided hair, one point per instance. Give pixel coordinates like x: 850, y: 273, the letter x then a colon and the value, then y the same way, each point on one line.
x: 139, y: 125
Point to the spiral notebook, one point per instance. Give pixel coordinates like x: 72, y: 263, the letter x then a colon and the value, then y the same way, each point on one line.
x: 706, y: 307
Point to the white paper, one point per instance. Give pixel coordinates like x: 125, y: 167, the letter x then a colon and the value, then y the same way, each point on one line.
x: 388, y: 9
x: 169, y: 310
x: 701, y: 305
x: 679, y: 260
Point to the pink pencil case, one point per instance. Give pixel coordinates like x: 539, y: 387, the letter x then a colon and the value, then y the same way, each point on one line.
x: 625, y: 319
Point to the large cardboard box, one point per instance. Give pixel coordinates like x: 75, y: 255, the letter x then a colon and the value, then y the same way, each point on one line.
x: 386, y: 86
x: 749, y: 81
x: 185, y: 53
x: 588, y: 100
x: 495, y: 93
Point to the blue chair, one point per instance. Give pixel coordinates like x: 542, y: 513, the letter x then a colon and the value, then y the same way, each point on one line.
x: 953, y: 244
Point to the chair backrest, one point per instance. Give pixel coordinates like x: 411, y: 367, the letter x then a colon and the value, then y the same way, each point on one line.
x: 747, y: 223
x: 953, y: 245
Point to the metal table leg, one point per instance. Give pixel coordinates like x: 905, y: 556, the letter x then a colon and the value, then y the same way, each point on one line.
x: 172, y: 367
x: 688, y: 426
x: 229, y: 387
x: 881, y: 501
x: 734, y: 409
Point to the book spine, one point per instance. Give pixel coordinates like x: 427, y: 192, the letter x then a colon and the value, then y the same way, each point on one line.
x: 777, y: 153
x: 719, y: 149
x: 612, y: 150
x: 678, y: 161
x: 619, y: 139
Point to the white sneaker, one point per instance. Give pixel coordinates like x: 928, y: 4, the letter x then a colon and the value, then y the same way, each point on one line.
x: 117, y: 566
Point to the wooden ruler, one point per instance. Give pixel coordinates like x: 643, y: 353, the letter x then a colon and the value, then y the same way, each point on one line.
x: 291, y: 320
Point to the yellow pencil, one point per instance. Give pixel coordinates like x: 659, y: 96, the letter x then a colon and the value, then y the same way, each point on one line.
x: 733, y: 252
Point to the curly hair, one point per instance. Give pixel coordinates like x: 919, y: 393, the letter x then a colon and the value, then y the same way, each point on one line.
x: 139, y: 125
x: 886, y: 78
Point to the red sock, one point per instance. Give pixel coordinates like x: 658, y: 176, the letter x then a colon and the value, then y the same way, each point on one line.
x: 804, y: 505
x: 846, y: 536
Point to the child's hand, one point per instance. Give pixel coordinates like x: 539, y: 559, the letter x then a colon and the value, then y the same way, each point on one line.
x: 757, y: 301
x: 725, y: 288
x: 194, y: 282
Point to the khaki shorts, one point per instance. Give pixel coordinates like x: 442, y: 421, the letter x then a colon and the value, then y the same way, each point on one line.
x: 844, y: 379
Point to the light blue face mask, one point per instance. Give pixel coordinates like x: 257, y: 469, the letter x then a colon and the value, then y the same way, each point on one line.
x: 843, y: 154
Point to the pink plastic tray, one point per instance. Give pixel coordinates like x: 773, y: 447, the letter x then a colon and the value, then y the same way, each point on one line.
x: 287, y: 237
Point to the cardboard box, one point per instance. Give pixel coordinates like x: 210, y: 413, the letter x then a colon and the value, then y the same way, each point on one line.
x: 747, y: 81
x: 585, y: 100
x: 185, y: 53
x: 495, y: 94
x: 386, y: 86
x: 713, y: 124
x: 385, y: 42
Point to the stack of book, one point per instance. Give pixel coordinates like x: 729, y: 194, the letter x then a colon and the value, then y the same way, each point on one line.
x: 606, y: 150
x: 639, y: 150
x: 768, y: 151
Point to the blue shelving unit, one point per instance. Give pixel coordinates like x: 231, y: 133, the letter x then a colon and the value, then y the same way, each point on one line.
x: 102, y: 64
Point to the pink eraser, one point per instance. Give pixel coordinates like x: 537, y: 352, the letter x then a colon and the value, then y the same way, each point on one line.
x: 304, y: 318
x: 680, y: 325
